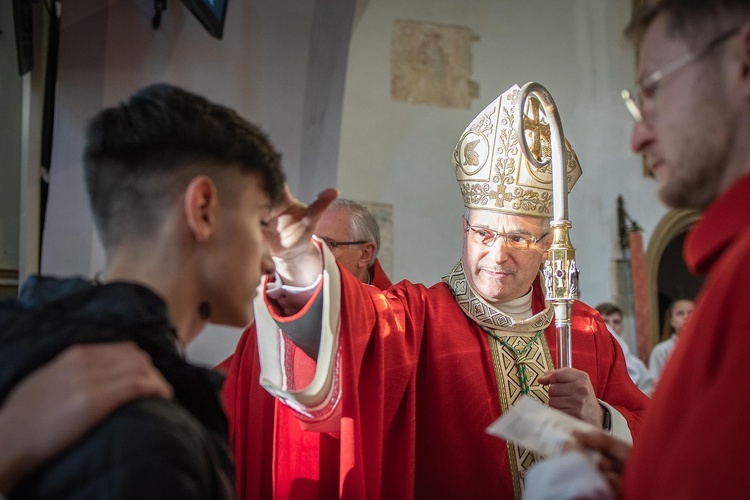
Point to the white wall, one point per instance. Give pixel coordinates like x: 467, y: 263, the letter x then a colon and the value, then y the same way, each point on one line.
x: 399, y: 153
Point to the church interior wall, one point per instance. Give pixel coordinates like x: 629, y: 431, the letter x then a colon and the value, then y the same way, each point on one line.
x: 375, y: 149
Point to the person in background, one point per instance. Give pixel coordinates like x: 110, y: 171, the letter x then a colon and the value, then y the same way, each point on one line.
x: 353, y: 235
x: 181, y: 191
x: 612, y: 316
x: 637, y: 369
x: 675, y: 318
x: 59, y: 402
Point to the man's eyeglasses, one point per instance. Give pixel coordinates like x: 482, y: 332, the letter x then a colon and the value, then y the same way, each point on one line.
x: 335, y: 244
x: 648, y: 86
x: 488, y: 237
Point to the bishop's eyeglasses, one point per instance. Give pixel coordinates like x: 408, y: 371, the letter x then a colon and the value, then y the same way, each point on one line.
x: 488, y: 237
x: 648, y: 87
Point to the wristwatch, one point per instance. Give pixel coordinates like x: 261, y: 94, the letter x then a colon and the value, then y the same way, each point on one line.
x: 607, y: 419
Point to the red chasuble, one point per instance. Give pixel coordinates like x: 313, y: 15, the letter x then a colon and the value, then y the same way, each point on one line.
x: 416, y: 388
x: 378, y: 278
x: 696, y: 435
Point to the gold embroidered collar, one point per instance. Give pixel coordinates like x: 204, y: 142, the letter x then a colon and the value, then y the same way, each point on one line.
x: 489, y: 316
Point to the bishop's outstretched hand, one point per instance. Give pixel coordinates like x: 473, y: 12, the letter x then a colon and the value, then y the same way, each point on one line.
x: 289, y: 234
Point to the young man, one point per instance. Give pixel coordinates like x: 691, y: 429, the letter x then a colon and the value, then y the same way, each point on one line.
x: 637, y: 369
x: 612, y: 315
x: 408, y: 380
x: 181, y: 191
x: 692, y: 111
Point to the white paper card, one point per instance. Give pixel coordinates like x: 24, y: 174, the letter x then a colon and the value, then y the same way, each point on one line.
x: 537, y: 427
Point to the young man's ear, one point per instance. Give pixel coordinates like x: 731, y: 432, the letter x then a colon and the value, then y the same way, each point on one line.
x: 200, y: 206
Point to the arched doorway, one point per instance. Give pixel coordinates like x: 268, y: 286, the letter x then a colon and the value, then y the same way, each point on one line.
x: 666, y: 272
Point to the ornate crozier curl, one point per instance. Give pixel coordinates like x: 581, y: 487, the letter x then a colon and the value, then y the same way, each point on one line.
x: 490, y: 168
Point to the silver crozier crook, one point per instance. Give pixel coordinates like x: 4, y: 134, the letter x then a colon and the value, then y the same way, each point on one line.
x: 560, y: 272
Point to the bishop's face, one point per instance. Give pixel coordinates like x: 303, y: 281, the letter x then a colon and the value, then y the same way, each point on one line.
x: 497, y: 273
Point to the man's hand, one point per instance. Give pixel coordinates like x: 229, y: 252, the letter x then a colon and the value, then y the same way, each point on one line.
x: 289, y: 236
x: 571, y: 392
x: 614, y: 454
x: 55, y: 405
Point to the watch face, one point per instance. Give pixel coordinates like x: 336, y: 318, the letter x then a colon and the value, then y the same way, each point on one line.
x: 607, y: 423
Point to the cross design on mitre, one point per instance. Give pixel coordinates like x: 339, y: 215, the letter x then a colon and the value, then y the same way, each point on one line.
x: 533, y: 122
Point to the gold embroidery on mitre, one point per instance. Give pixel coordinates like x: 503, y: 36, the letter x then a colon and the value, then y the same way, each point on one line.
x: 490, y: 168
x: 528, y: 348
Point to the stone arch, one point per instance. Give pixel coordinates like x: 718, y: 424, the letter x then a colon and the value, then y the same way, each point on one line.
x: 671, y: 227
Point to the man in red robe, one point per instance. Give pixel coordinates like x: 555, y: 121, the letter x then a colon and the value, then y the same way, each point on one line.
x: 694, y: 134
x: 403, y: 383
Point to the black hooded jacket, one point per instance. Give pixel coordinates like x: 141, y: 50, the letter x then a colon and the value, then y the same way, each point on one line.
x: 148, y: 449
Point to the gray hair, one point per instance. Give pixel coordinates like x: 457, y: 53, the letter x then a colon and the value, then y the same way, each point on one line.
x: 362, y: 224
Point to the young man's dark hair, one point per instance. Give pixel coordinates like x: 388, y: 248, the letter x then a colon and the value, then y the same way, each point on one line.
x: 182, y: 191
x: 140, y: 156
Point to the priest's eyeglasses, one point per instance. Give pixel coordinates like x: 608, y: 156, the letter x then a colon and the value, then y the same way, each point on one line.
x: 648, y: 87
x: 335, y: 244
x: 488, y: 237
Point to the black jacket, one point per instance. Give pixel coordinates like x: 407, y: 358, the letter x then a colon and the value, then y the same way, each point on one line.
x: 150, y: 448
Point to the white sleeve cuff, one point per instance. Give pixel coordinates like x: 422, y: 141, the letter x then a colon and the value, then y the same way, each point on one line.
x: 318, y: 400
x: 276, y: 287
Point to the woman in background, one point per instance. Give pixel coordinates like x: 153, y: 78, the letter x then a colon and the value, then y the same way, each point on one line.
x: 676, y: 317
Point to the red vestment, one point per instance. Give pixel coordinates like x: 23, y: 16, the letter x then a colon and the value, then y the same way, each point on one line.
x: 696, y: 434
x: 378, y: 278
x: 417, y: 391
